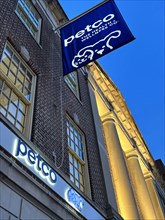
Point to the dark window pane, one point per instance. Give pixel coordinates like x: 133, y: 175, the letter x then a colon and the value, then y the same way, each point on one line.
x: 1, y: 83
x: 16, y: 60
x: 23, y: 68
x: 29, y: 76
x: 8, y: 51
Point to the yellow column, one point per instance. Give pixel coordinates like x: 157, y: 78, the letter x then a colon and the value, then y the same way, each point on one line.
x: 142, y: 196
x: 154, y: 197
x: 122, y: 186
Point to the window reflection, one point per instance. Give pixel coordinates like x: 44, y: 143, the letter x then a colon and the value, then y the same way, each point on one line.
x: 16, y: 89
x: 72, y: 82
x: 22, y: 106
x: 11, y: 119
x: 21, y: 77
x: 12, y: 107
x: 16, y: 71
x: 20, y: 117
x: 19, y: 127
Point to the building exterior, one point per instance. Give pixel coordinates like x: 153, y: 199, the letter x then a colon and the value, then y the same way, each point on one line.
x: 70, y: 148
x: 132, y: 166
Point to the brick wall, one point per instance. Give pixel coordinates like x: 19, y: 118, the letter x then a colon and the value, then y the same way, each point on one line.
x: 46, y: 62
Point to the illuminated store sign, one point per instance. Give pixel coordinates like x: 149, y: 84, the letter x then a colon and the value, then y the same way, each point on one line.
x: 36, y: 163
x: 35, y: 160
x: 75, y: 199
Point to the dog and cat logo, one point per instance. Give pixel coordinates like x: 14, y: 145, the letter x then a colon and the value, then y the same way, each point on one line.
x: 93, y: 35
x: 88, y: 52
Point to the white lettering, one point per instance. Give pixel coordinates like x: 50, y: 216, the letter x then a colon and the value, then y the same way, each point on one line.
x: 106, y: 17
x: 79, y: 34
x: 96, y: 26
x: 45, y: 169
x: 68, y: 40
x: 88, y: 28
x: 35, y: 160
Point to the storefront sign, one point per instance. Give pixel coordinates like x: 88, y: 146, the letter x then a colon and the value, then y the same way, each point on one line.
x: 36, y: 163
x: 33, y: 159
x: 93, y: 35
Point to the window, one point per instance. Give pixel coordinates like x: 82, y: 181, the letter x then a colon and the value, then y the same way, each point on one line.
x: 12, y: 107
x: 72, y: 81
x: 76, y: 172
x: 17, y: 84
x: 77, y: 165
x: 30, y: 17
x: 17, y: 72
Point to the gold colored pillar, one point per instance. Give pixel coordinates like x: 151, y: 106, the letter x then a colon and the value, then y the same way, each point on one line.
x: 154, y: 197
x: 146, y: 209
x: 122, y: 186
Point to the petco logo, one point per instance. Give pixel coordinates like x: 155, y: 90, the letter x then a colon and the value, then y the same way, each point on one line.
x: 93, y: 35
x: 91, y: 51
x: 75, y: 199
x: 88, y: 29
x: 35, y: 161
x: 87, y: 53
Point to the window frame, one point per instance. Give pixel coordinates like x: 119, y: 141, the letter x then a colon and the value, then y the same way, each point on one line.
x: 80, y: 180
x: 14, y: 108
x: 29, y: 103
x: 37, y: 34
x: 82, y: 161
x: 70, y: 82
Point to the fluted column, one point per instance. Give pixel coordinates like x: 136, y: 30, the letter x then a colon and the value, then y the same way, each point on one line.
x: 154, y: 197
x: 122, y: 186
x: 142, y: 196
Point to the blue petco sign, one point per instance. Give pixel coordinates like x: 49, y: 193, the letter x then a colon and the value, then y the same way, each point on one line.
x: 34, y: 161
x: 93, y: 35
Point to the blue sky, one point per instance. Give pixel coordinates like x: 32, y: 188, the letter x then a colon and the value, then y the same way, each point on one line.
x: 138, y: 68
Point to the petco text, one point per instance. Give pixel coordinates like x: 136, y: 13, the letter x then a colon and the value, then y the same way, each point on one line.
x: 35, y: 161
x: 88, y: 28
